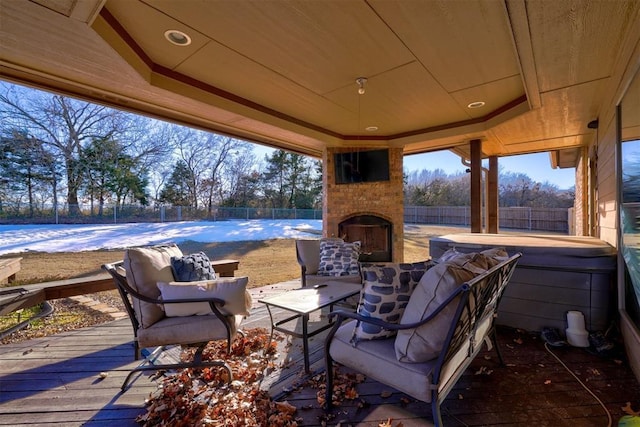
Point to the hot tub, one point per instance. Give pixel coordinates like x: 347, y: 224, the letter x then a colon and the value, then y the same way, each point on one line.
x: 556, y: 274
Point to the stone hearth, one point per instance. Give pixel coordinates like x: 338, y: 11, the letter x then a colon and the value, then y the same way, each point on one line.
x: 382, y: 199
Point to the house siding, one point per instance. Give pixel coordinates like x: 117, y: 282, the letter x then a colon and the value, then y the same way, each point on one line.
x: 606, y: 192
x: 607, y: 213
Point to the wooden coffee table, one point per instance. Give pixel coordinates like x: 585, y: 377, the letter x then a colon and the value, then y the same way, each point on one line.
x: 304, y: 301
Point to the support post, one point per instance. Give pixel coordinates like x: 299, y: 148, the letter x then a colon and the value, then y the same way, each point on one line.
x: 476, y: 185
x: 493, y: 220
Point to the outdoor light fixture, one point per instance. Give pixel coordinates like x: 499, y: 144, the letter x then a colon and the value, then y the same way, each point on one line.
x: 476, y: 104
x: 177, y: 37
x: 360, y: 81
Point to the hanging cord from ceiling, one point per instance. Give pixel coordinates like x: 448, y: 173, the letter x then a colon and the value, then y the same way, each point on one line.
x: 360, y: 81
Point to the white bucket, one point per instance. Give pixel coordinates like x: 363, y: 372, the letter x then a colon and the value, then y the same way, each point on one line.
x: 577, y: 335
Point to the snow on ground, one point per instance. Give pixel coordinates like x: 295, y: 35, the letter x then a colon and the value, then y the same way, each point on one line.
x: 76, y: 238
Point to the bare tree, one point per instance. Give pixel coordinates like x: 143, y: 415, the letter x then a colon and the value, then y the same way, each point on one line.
x: 65, y: 126
x: 226, y: 149
x: 203, y: 157
x: 240, y: 178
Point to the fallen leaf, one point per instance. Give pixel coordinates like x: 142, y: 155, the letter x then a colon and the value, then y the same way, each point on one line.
x: 518, y: 341
x: 629, y: 411
x: 547, y: 382
x: 593, y: 371
x: 27, y: 352
x: 351, y: 394
x: 384, y: 394
x: 286, y: 407
x: 103, y: 375
x: 484, y: 371
x: 204, y: 397
x: 386, y: 423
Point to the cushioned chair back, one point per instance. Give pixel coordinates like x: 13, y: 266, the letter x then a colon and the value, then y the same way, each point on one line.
x: 474, y: 319
x: 146, y: 267
x: 308, y: 253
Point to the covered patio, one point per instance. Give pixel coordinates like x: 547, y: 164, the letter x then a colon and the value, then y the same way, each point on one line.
x: 484, y: 79
x: 57, y: 381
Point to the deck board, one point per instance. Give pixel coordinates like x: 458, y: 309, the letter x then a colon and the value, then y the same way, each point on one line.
x: 54, y: 381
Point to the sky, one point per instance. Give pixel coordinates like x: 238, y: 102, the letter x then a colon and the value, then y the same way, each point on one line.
x: 77, y: 238
x: 536, y: 166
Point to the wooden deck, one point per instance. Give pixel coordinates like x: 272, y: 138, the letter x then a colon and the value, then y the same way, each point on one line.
x: 56, y: 381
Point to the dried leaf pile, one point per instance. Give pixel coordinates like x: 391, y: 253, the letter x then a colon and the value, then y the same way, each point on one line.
x: 344, y: 386
x: 205, y: 398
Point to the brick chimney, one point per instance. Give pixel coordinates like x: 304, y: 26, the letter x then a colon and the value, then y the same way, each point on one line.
x: 347, y: 203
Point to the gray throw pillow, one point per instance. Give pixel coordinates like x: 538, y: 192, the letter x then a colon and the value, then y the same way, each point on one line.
x: 193, y: 267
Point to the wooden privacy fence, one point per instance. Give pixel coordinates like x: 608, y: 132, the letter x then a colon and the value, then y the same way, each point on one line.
x: 539, y: 219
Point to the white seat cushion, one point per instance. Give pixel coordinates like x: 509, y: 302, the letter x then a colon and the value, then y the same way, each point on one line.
x: 233, y: 290
x: 377, y: 359
x: 186, y: 330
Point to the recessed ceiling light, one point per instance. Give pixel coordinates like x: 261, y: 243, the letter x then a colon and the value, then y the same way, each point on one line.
x: 177, y: 37
x: 476, y: 104
x: 371, y: 128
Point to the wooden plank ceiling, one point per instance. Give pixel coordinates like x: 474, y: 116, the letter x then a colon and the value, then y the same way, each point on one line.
x: 283, y: 73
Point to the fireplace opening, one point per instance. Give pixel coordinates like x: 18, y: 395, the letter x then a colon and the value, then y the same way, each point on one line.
x: 373, y: 232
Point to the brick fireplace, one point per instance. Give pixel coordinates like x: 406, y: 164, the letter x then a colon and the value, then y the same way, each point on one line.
x: 371, y: 212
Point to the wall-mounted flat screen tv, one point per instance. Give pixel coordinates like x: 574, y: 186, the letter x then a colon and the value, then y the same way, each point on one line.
x: 362, y: 166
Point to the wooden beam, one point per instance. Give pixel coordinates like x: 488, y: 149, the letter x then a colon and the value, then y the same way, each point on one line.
x: 8, y: 268
x: 492, y: 198
x: 225, y: 267
x: 104, y: 282
x: 72, y: 287
x: 475, y: 146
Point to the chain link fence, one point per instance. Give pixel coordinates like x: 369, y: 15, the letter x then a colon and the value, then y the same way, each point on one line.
x: 539, y: 219
x: 109, y: 214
